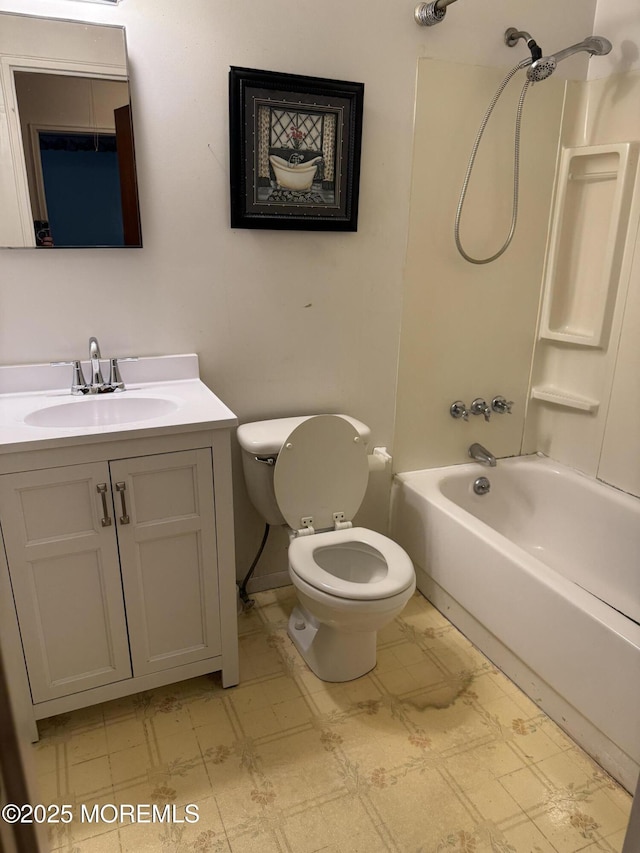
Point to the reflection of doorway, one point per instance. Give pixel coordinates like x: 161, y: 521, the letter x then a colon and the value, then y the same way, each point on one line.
x: 81, y: 184
x: 77, y: 138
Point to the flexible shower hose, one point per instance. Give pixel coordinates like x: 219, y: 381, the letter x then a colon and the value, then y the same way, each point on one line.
x: 516, y: 167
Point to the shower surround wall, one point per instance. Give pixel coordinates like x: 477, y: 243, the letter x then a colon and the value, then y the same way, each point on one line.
x: 468, y: 330
x: 604, y: 442
x: 600, y: 111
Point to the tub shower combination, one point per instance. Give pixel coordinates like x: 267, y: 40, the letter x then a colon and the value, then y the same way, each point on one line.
x: 541, y: 573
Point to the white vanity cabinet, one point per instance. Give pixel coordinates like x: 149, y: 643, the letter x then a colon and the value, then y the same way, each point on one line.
x: 65, y: 578
x: 117, y: 562
x: 167, y: 543
x: 98, y: 547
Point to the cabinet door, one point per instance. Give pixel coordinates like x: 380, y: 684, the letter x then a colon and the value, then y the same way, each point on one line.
x: 166, y: 536
x: 65, y: 574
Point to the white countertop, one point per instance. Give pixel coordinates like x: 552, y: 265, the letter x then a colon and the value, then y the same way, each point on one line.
x: 171, y: 378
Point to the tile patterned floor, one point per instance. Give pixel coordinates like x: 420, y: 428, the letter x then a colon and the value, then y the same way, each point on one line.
x: 435, y: 751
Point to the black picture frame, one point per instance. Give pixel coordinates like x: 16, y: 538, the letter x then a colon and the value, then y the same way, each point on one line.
x: 295, y: 147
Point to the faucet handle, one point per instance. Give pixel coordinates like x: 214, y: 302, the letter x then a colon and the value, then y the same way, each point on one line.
x: 79, y: 383
x: 481, y: 407
x: 502, y: 406
x: 115, y: 379
x: 459, y: 410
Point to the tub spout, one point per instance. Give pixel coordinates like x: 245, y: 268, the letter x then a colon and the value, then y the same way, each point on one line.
x: 482, y: 455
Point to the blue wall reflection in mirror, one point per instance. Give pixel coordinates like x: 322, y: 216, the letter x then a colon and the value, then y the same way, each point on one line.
x: 82, y: 188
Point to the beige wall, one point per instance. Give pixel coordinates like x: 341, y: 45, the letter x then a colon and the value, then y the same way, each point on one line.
x: 283, y: 322
x: 619, y: 21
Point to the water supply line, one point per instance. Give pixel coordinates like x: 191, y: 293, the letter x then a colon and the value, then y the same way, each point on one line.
x: 428, y: 14
x: 247, y: 602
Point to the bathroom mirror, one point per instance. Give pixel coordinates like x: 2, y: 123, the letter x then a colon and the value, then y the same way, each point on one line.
x: 67, y: 162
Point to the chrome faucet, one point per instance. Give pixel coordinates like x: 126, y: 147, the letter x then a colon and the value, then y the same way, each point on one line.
x: 96, y: 385
x: 482, y: 455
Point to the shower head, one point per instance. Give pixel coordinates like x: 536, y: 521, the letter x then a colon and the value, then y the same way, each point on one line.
x: 541, y: 69
x: 544, y: 67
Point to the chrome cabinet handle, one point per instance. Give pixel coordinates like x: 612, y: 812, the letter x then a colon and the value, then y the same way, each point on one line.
x: 122, y: 487
x: 102, y: 491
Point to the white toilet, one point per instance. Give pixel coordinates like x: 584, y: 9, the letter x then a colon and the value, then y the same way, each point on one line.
x: 311, y: 473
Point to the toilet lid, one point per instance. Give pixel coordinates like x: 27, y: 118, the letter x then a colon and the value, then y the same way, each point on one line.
x: 322, y: 469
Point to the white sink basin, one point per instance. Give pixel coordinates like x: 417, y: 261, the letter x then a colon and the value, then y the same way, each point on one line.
x: 101, y: 411
x: 163, y: 394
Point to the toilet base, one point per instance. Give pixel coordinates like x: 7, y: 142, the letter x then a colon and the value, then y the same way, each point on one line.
x: 331, y: 654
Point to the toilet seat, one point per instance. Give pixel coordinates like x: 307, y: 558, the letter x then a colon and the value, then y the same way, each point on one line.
x: 321, y: 474
x: 392, y: 570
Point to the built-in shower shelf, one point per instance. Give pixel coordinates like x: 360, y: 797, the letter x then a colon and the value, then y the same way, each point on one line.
x: 594, y: 176
x: 559, y: 397
x: 587, y: 242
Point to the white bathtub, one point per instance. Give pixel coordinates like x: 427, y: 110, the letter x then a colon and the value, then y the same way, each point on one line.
x: 543, y: 574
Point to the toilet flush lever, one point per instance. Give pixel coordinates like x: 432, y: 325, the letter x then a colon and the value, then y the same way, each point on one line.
x: 266, y: 460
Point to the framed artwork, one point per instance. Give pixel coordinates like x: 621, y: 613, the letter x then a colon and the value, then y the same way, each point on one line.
x: 294, y: 151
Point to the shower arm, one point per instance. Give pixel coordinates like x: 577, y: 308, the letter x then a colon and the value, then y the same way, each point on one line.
x: 512, y: 36
x: 428, y: 14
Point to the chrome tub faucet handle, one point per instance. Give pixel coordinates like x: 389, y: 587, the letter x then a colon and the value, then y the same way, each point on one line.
x: 459, y: 410
x: 481, y: 407
x: 501, y: 406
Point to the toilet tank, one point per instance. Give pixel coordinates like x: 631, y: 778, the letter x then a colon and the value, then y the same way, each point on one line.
x: 261, y: 441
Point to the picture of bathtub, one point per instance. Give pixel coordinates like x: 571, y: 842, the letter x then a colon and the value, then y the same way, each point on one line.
x: 295, y: 146
x: 298, y: 176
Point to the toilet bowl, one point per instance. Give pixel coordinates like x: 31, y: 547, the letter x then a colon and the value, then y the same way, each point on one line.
x: 312, y: 473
